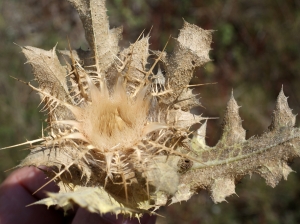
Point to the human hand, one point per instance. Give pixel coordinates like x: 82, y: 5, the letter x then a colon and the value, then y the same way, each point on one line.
x: 16, y: 193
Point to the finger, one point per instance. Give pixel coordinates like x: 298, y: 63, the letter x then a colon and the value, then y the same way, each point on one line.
x: 31, y: 178
x: 16, y: 193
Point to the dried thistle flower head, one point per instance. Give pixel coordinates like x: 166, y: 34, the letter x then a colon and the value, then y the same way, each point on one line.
x: 118, y: 137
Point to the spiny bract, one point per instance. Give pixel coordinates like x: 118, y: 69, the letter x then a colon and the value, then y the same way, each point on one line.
x: 118, y: 137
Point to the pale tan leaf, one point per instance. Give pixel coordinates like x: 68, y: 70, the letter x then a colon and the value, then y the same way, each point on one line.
x: 93, y: 199
x: 197, y: 40
x: 221, y: 188
x: 183, y: 119
x: 51, y: 77
x: 282, y: 116
x: 187, y: 100
x: 163, y: 176
x: 198, y: 142
x: 286, y: 170
x: 183, y: 194
x: 48, y: 71
x: 102, y: 40
x: 233, y: 132
x: 134, y: 60
x: 58, y: 159
x: 191, y: 51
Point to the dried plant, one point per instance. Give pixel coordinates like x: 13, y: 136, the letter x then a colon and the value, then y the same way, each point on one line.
x: 118, y: 137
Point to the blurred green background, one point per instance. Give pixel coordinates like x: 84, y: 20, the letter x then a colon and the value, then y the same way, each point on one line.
x: 256, y: 50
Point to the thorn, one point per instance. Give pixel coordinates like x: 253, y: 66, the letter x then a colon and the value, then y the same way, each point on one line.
x: 54, y: 48
x: 203, y: 84
x: 140, y: 36
x: 24, y: 143
x: 19, y: 80
x: 150, y: 30
x: 11, y: 169
x: 156, y: 60
x: 56, y: 176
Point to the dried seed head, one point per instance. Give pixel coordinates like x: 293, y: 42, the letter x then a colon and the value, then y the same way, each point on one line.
x: 112, y: 119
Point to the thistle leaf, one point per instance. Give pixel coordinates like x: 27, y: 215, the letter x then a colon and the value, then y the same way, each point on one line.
x: 198, y: 142
x: 187, y: 100
x: 163, y: 177
x: 133, y: 60
x: 95, y: 200
x: 233, y: 131
x: 233, y: 158
x: 102, y: 40
x: 183, y: 119
x: 191, y: 51
x: 51, y: 77
x: 183, y: 194
x: 282, y: 116
x: 221, y: 188
x: 48, y: 71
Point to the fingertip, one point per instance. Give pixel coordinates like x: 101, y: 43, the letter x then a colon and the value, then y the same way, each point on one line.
x: 31, y: 178
x: 16, y: 194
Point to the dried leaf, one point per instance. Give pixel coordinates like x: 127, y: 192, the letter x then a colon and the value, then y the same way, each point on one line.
x: 133, y: 60
x: 183, y: 194
x: 283, y: 115
x: 266, y: 155
x: 191, y: 51
x: 233, y: 131
x: 163, y: 177
x: 221, y: 188
x: 50, y: 75
x: 95, y: 200
x: 102, y: 40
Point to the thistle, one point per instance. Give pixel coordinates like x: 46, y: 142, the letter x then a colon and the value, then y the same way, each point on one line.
x: 118, y: 137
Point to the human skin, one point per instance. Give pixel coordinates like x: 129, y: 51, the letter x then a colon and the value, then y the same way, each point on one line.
x: 16, y: 192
